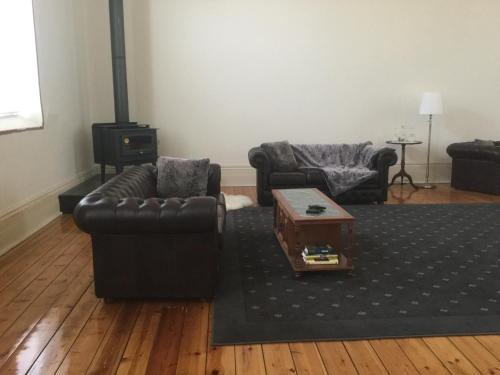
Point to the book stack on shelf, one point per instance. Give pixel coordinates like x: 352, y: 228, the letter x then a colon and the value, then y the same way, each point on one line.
x: 320, y: 255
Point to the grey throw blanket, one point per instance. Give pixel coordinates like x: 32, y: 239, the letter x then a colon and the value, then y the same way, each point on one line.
x: 344, y: 165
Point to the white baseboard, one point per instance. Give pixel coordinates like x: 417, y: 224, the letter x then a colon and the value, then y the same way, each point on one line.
x: 438, y: 172
x: 245, y: 175
x: 18, y: 223
x: 238, y: 176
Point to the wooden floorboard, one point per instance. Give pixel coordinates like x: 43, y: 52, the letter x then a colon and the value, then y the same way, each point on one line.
x: 193, y: 346
x: 482, y: 359
x: 453, y: 359
x: 26, y: 247
x: 110, y: 352
x: 492, y: 343
x: 422, y: 357
x: 60, y: 343
x: 51, y: 322
x: 221, y: 360
x: 83, y: 350
x: 52, y: 256
x: 249, y: 359
x: 165, y: 352
x: 365, y: 359
x: 14, y: 334
x: 278, y: 359
x: 393, y: 357
x: 307, y: 358
x: 34, y: 252
x: 137, y: 353
x: 335, y: 358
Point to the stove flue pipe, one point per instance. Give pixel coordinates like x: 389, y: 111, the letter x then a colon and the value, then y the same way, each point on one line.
x: 119, y: 65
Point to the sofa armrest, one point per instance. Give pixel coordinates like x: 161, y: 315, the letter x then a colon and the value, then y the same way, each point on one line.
x: 100, y: 214
x: 214, y: 177
x: 258, y: 158
x: 384, y: 159
x: 221, y: 212
x: 381, y: 162
x: 472, y: 150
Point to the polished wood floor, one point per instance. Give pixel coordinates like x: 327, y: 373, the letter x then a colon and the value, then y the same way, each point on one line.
x: 51, y: 322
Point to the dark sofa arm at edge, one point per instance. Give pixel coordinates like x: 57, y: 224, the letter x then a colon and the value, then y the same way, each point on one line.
x: 471, y: 150
x: 214, y: 178
x: 386, y: 157
x: 258, y: 158
x: 99, y: 214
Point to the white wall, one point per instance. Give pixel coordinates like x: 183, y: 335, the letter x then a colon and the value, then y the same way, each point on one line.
x: 36, y: 165
x: 220, y: 76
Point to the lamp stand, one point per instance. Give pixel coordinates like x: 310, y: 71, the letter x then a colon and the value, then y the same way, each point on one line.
x: 427, y: 184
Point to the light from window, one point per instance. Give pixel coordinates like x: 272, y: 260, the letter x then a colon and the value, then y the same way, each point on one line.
x: 20, y: 106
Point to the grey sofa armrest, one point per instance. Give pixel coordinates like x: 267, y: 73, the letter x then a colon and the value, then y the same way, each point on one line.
x: 214, y: 178
x: 384, y: 158
x: 381, y: 162
x: 258, y: 158
x: 260, y: 161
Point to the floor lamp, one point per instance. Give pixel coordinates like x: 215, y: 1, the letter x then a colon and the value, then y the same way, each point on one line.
x: 431, y: 105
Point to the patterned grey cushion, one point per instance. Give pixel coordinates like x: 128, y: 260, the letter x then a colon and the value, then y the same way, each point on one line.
x: 281, y: 156
x: 182, y: 178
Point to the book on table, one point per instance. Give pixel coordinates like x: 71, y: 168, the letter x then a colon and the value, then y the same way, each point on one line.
x: 321, y: 259
x: 310, y: 250
x: 324, y: 254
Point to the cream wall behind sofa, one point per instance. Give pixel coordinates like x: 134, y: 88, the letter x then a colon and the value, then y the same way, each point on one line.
x: 217, y: 77
x: 36, y: 165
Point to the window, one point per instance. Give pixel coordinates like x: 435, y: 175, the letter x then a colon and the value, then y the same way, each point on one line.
x: 20, y: 105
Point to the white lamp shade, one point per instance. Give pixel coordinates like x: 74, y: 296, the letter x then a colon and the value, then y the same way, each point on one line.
x: 431, y: 104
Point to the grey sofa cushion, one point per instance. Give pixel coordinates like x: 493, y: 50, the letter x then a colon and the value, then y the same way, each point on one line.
x: 182, y: 178
x: 287, y: 178
x: 281, y: 156
x: 314, y: 177
x: 317, y: 178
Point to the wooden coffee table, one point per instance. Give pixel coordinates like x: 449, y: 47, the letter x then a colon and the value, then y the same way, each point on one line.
x: 295, y: 229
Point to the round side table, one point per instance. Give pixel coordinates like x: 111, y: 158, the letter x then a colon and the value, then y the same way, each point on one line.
x: 402, y: 173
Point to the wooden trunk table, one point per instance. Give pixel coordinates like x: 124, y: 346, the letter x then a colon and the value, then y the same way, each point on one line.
x: 295, y: 229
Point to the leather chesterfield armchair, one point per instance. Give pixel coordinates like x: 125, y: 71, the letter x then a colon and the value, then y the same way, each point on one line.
x: 475, y: 166
x: 148, y: 247
x: 373, y: 190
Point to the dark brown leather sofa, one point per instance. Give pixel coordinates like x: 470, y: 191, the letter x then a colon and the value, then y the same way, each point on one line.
x: 373, y: 190
x: 148, y: 247
x: 475, y: 166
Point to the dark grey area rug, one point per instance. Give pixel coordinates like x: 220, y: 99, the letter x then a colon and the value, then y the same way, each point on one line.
x: 420, y: 270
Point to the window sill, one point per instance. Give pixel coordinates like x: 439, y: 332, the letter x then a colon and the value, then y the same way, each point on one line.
x: 16, y: 124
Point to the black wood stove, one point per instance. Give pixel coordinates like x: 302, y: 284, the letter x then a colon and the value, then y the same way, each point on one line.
x: 120, y: 143
x: 123, y: 142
